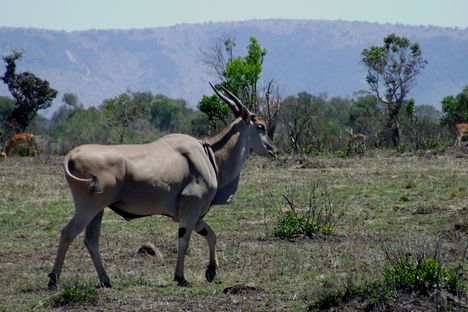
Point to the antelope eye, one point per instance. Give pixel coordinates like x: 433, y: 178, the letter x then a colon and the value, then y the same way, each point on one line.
x: 261, y: 127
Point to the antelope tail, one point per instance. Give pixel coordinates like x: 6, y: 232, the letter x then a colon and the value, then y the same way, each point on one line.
x: 92, y: 182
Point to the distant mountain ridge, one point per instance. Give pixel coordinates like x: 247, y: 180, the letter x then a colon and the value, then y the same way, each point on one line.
x: 302, y: 55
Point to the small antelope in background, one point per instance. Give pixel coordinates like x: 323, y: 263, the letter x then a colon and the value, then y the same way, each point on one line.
x: 356, y: 141
x: 462, y: 131
x: 18, y: 139
x: 178, y: 176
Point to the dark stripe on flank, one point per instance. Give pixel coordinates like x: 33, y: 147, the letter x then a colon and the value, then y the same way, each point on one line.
x: 203, y: 232
x: 182, y: 232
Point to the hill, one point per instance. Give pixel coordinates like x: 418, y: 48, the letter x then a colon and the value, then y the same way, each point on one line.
x: 302, y: 55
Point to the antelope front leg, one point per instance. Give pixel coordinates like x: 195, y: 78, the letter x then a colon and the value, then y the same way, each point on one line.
x: 205, y: 230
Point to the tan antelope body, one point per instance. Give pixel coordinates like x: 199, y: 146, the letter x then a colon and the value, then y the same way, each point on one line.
x: 356, y: 141
x: 462, y: 131
x: 18, y: 139
x: 178, y: 176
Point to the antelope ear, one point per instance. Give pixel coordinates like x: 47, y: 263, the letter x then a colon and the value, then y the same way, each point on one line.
x: 247, y: 117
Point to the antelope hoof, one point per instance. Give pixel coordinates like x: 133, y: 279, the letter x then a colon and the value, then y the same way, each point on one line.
x: 52, y: 281
x: 210, y: 273
x: 181, y: 282
x: 105, y: 285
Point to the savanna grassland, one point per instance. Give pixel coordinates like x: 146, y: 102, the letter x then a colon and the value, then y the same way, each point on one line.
x: 407, y: 202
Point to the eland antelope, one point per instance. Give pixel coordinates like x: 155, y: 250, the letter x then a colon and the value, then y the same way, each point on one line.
x: 18, y: 139
x: 178, y: 176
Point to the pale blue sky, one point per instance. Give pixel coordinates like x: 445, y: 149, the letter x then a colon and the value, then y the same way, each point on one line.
x: 103, y: 14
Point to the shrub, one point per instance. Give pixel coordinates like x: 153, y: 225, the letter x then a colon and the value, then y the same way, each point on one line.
x: 289, y: 225
x: 430, y: 144
x: 405, y: 270
x: 421, y: 273
x: 311, y: 212
x: 370, y: 293
x: 341, y: 152
x: 72, y: 295
x: 24, y: 151
x: 422, y: 276
x: 401, y: 148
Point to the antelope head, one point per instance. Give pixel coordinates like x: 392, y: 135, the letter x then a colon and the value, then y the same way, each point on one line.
x: 258, y: 140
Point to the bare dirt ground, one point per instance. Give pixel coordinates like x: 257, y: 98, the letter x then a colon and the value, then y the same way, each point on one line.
x: 409, y: 201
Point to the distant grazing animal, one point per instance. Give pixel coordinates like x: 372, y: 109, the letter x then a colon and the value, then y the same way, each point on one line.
x: 18, y: 139
x: 356, y: 141
x: 462, y: 131
x: 178, y: 176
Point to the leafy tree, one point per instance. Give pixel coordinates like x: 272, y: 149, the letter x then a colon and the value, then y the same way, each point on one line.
x: 238, y: 74
x: 455, y: 109
x: 30, y: 92
x: 409, y: 108
x: 169, y: 115
x: 428, y: 112
x: 7, y: 105
x: 121, y: 111
x: 71, y: 103
x: 82, y: 126
x: 391, y: 73
x: 366, y: 116
x: 310, y: 123
x: 215, y: 110
x: 242, y: 74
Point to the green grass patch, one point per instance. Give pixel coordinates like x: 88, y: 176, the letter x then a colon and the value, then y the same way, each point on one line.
x: 35, y: 204
x: 73, y: 295
x: 423, y: 275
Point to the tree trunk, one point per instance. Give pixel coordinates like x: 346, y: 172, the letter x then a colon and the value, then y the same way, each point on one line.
x: 393, y: 126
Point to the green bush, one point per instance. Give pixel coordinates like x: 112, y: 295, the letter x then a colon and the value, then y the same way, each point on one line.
x: 311, y: 212
x: 430, y: 144
x: 289, y: 225
x: 401, y: 148
x: 422, y: 276
x: 341, y: 152
x: 406, y: 271
x: 24, y: 151
x: 73, y: 295
x: 370, y: 292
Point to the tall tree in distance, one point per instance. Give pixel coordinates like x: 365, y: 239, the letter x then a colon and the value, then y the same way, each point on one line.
x: 455, y: 108
x: 121, y: 112
x: 243, y: 73
x: 71, y: 103
x: 391, y: 73
x: 270, y: 105
x: 218, y: 56
x: 240, y: 75
x: 30, y: 93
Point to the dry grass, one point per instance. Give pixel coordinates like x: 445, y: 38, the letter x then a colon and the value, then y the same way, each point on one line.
x: 389, y: 199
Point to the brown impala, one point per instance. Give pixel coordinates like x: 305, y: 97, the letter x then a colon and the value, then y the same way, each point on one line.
x: 462, y: 131
x: 178, y: 176
x: 18, y: 139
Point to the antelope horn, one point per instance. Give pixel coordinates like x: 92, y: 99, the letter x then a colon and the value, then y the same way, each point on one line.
x: 236, y: 100
x: 226, y: 100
